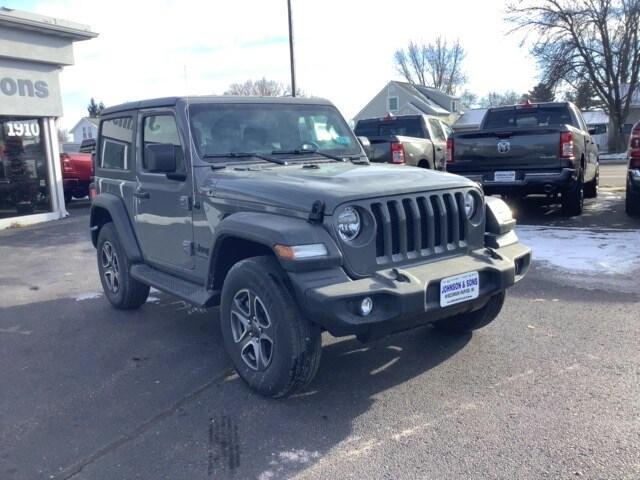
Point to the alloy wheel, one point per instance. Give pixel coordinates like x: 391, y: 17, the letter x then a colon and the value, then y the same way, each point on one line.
x: 251, y: 329
x: 110, y: 267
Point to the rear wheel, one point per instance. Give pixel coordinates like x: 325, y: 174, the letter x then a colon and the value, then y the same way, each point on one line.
x: 273, y: 347
x: 120, y: 288
x: 424, y: 164
x: 632, y: 202
x: 591, y: 188
x: 467, y: 322
x: 573, y: 197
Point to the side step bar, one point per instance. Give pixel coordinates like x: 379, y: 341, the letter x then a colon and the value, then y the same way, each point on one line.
x: 184, y: 289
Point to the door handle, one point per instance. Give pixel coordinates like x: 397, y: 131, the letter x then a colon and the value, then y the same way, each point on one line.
x: 439, y: 149
x: 142, y: 194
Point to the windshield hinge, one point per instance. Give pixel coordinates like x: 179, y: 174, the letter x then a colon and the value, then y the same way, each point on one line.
x: 317, y: 212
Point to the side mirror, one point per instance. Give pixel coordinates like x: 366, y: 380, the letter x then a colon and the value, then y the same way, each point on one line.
x: 366, y: 145
x: 160, y: 157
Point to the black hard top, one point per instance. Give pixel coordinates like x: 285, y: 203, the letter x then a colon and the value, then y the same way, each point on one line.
x: 172, y: 101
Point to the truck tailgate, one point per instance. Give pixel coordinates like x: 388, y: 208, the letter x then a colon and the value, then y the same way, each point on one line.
x: 530, y: 149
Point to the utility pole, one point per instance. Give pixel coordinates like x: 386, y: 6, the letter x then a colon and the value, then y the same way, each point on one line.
x: 293, y: 63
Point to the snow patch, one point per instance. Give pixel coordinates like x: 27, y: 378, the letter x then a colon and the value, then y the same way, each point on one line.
x: 88, y: 296
x: 584, y: 251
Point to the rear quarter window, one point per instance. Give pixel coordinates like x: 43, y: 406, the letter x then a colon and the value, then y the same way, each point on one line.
x: 116, y: 140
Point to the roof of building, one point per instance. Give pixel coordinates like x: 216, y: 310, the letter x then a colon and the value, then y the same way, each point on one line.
x: 421, y: 93
x: 92, y: 120
x: 46, y: 25
x: 171, y: 101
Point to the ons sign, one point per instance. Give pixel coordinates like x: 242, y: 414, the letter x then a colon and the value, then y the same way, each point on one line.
x: 23, y: 87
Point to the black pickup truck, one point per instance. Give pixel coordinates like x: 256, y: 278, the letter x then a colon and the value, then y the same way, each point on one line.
x: 416, y: 140
x: 543, y: 148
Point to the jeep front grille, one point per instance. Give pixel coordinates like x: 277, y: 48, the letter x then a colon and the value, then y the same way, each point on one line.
x: 418, y: 226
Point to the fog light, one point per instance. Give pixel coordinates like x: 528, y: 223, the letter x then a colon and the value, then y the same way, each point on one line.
x: 366, y: 305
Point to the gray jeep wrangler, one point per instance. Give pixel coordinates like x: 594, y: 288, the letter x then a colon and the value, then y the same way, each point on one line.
x: 269, y: 208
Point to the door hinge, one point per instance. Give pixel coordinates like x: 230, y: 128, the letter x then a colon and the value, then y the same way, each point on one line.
x: 188, y: 248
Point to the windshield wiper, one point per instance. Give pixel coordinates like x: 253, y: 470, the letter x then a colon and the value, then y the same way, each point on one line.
x: 246, y: 155
x: 308, y: 152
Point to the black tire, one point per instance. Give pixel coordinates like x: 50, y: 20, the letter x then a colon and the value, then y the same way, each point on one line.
x: 467, y: 322
x: 573, y: 197
x: 120, y: 288
x: 591, y: 188
x: 273, y: 347
x: 67, y: 198
x: 632, y: 202
x: 424, y: 164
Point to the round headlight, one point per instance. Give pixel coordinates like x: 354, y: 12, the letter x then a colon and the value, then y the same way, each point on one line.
x: 470, y: 204
x: 349, y: 224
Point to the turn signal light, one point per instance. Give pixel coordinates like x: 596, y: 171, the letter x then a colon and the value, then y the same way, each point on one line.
x: 450, y: 150
x: 397, y: 153
x: 566, y: 145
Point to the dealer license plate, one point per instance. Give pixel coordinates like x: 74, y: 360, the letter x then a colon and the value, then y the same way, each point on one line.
x: 459, y: 288
x: 506, y: 176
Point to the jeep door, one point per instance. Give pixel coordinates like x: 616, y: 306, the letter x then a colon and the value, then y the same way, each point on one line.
x: 163, y: 201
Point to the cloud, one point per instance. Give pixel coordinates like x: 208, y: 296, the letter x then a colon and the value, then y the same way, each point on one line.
x: 343, y: 52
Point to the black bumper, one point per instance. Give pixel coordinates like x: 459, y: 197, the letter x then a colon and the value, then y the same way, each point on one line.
x: 529, y: 182
x: 331, y: 299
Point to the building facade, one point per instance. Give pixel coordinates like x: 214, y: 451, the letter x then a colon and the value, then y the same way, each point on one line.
x: 33, y: 50
x: 402, y: 98
x: 85, y: 129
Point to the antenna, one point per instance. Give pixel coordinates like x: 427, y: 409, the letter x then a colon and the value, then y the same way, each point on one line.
x: 190, y: 141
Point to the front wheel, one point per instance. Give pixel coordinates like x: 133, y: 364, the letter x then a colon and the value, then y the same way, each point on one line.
x: 467, y: 322
x: 120, y: 288
x: 273, y: 347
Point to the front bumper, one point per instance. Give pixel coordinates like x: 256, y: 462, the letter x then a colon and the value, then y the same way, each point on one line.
x: 406, y: 297
x: 526, y: 182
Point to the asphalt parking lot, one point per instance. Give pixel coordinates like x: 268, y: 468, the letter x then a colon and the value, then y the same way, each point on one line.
x: 551, y: 389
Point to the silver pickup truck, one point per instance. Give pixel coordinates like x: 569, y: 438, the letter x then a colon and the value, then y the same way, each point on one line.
x: 543, y: 148
x: 416, y: 140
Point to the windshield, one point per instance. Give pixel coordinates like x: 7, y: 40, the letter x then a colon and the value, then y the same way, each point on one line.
x: 528, y: 117
x: 219, y: 129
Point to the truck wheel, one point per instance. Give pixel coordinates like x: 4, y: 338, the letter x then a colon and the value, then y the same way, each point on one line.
x: 591, y: 188
x: 632, y: 203
x: 120, y: 288
x: 272, y: 346
x: 467, y: 322
x: 573, y: 198
x: 424, y: 164
x: 67, y: 198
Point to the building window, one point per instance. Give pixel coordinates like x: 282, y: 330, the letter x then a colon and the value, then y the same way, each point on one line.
x: 392, y: 104
x: 117, y: 137
x: 24, y: 169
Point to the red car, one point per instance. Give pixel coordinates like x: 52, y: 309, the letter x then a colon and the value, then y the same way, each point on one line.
x: 77, y: 171
x: 632, y: 203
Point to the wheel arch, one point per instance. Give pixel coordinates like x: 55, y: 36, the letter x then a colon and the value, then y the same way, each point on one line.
x: 109, y: 208
x: 249, y: 234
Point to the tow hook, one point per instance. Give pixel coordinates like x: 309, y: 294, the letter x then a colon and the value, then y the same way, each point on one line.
x: 399, y: 276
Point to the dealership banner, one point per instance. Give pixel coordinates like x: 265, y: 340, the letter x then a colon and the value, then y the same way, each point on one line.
x: 29, y: 89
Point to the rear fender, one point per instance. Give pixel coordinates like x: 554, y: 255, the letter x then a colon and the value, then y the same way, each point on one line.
x: 117, y: 213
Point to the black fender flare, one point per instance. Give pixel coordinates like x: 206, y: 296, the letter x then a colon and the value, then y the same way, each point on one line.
x: 269, y: 230
x: 120, y: 218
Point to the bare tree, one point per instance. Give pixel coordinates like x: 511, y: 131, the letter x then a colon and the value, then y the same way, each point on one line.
x: 94, y: 109
x: 587, y: 40
x: 468, y: 100
x: 437, y: 65
x: 259, y: 88
x: 498, y: 99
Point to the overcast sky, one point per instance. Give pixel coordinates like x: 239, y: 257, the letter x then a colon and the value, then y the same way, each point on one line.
x: 344, y: 48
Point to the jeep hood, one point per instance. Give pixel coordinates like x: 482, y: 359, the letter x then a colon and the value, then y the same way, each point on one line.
x: 298, y: 186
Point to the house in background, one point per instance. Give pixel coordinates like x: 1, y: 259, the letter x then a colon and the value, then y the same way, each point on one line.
x: 402, y: 98
x: 85, y: 129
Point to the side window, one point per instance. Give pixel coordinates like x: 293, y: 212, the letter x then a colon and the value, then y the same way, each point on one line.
x: 438, y: 134
x: 162, y: 129
x: 116, y: 140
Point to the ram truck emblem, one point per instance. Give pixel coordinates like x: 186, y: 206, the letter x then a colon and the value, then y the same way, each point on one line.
x: 504, y: 146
